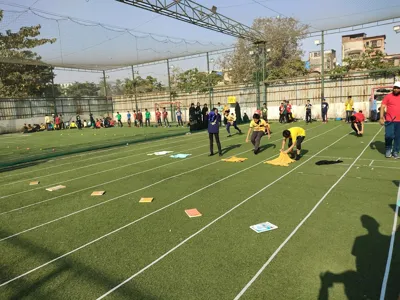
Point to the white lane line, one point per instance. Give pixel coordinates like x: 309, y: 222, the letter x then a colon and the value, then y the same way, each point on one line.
x: 146, y: 216
x: 95, y: 152
x: 211, y: 223
x: 371, y: 163
x: 390, y: 253
x: 115, y: 198
x: 247, y: 286
x: 6, y: 196
x: 100, y: 184
x: 83, y: 167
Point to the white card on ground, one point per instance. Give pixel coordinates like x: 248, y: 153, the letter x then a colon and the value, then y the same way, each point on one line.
x: 262, y: 227
x: 55, y: 188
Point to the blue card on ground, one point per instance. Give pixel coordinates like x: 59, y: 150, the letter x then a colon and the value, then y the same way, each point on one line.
x: 398, y: 203
x: 262, y: 227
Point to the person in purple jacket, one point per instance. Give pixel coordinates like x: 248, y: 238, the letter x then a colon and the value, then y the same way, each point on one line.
x: 214, y: 119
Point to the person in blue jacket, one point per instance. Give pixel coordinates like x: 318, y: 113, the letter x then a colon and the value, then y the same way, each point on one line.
x: 214, y: 119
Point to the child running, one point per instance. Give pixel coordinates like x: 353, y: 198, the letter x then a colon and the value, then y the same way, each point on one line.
x: 296, y: 136
x: 231, y: 121
x: 259, y: 126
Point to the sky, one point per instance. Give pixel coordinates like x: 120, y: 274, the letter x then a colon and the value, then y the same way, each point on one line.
x: 342, y: 13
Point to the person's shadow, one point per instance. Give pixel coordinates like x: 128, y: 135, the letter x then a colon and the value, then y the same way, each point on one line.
x: 231, y: 147
x: 378, y: 145
x: 371, y: 253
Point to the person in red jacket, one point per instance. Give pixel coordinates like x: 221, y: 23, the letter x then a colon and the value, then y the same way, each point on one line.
x: 357, y: 123
x: 158, y: 117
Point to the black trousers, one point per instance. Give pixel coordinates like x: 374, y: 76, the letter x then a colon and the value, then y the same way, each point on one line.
x: 256, y: 138
x: 353, y: 126
x: 348, y: 115
x: 324, y: 116
x: 216, y: 135
x: 282, y: 118
x: 308, y: 116
x: 299, y: 140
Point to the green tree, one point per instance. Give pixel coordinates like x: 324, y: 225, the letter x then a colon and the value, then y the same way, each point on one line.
x: 79, y: 89
x: 193, y: 80
x: 370, y: 61
x: 283, y: 37
x: 142, y: 85
x: 21, y: 72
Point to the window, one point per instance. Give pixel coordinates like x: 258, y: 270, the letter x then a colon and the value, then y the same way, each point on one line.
x: 379, y: 43
x: 367, y: 44
x: 317, y: 54
x: 376, y: 43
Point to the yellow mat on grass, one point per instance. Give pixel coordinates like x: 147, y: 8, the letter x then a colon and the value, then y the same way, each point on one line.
x: 283, y: 160
x: 234, y: 159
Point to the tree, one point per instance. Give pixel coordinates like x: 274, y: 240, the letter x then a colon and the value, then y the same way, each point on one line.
x: 79, y: 89
x: 283, y: 37
x: 142, y: 85
x: 370, y: 61
x: 22, y: 74
x: 195, y: 81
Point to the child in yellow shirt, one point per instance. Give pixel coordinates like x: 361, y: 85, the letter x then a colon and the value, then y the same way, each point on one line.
x: 296, y: 136
x: 259, y: 127
x: 231, y: 121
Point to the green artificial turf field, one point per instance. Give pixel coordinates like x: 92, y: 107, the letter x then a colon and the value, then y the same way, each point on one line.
x: 333, y: 241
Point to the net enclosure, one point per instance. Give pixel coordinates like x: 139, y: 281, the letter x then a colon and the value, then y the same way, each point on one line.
x: 85, y: 44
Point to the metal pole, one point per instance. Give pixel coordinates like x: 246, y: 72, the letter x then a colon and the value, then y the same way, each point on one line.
x: 53, y: 91
x: 322, y: 65
x: 258, y: 79
x: 169, y: 90
x: 209, y: 80
x: 134, y: 88
x: 105, y: 92
x: 264, y: 71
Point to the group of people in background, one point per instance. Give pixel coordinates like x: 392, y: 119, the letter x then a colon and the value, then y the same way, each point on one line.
x: 137, y: 117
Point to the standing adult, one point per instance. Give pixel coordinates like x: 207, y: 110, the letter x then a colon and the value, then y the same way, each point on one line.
x: 62, y: 125
x: 92, y: 121
x: 390, y: 117
x: 374, y: 107
x: 213, y: 130
x: 204, y: 113
x: 198, y: 116
x: 158, y: 117
x: 324, y: 110
x: 57, y: 122
x: 238, y: 113
x: 47, y: 121
x: 349, y: 108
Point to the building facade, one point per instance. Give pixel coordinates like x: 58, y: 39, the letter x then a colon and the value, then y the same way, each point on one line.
x: 329, y: 60
x: 354, y: 45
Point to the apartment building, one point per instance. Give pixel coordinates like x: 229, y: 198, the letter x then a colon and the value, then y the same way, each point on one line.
x: 329, y: 60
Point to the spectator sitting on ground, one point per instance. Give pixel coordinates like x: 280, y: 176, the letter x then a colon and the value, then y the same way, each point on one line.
x: 24, y: 128
x: 98, y: 124
x: 42, y: 127
x: 85, y: 124
x: 73, y: 125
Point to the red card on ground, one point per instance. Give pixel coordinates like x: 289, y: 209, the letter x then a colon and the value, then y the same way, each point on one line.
x: 193, y: 213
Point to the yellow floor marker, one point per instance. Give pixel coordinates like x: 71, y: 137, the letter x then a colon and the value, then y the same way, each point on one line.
x: 98, y: 193
x: 55, y: 188
x: 146, y: 200
x: 234, y: 159
x: 34, y: 183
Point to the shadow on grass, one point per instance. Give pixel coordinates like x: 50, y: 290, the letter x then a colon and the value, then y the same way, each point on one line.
x: 378, y: 145
x: 231, y: 147
x: 266, y: 147
x: 22, y: 166
x: 43, y: 283
x: 371, y: 253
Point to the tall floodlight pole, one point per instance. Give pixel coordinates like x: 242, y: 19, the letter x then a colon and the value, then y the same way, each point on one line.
x: 105, y: 92
x: 264, y: 61
x: 209, y: 81
x: 134, y: 88
x: 322, y: 65
x: 169, y: 89
x: 53, y: 91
